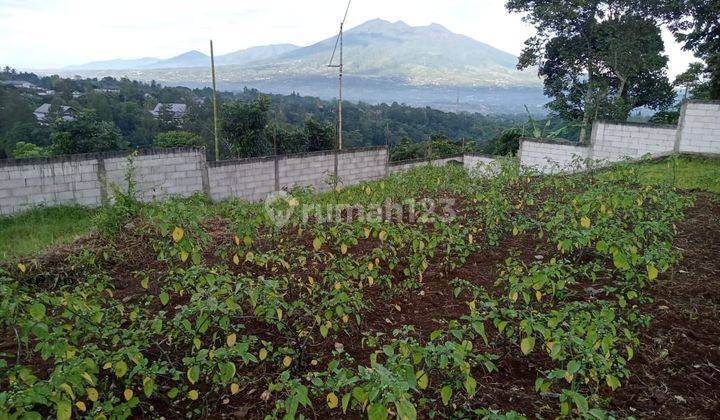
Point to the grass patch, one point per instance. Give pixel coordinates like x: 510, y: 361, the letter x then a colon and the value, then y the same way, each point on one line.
x: 686, y: 172
x: 36, y: 229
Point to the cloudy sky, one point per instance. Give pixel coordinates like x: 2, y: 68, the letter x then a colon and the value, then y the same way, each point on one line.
x: 45, y: 34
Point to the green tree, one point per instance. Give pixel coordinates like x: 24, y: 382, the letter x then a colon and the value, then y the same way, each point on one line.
x: 244, y: 127
x: 598, y: 59
x: 319, y: 136
x: 292, y: 141
x: 506, y: 143
x: 695, y: 23
x: 690, y: 78
x: 85, y: 134
x: 171, y: 139
x: 24, y: 150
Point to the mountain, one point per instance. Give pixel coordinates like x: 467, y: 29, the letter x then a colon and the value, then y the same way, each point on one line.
x: 117, y: 64
x: 383, y: 61
x: 192, y: 58
x: 422, y: 55
x: 253, y: 54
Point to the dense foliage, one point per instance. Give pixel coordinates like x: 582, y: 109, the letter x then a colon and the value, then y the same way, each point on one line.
x: 599, y: 59
x: 251, y: 122
x: 199, y: 309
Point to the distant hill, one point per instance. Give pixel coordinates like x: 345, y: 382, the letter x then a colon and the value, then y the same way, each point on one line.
x: 250, y: 55
x: 190, y: 59
x: 384, y: 62
x: 422, y: 55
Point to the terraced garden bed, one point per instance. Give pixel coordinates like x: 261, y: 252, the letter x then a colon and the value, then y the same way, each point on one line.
x: 579, y: 295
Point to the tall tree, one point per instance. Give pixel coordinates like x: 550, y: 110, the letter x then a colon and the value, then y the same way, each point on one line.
x: 85, y: 134
x: 696, y: 23
x: 598, y: 59
x: 244, y: 127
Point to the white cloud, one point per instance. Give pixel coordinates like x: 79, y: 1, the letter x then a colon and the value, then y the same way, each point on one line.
x: 56, y: 33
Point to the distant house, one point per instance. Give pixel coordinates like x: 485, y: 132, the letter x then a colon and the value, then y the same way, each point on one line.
x: 45, y: 92
x: 76, y: 94
x: 18, y: 84
x: 176, y: 110
x: 108, y: 90
x: 42, y: 113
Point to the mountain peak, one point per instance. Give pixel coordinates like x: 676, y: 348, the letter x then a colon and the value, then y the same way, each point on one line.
x: 191, y: 54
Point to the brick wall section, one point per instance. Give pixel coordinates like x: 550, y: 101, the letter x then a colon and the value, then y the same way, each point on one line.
x: 161, y: 174
x: 362, y: 165
x: 248, y: 179
x: 402, y: 166
x: 700, y: 128
x: 473, y: 162
x: 614, y: 142
x: 306, y: 170
x: 551, y: 156
x: 24, y: 184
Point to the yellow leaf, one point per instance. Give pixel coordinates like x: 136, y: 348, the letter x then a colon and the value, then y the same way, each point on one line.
x: 92, y: 394
x: 184, y: 256
x: 193, y: 394
x: 332, y: 400
x: 345, y: 319
x: 397, y: 307
x: 287, y: 360
x: 370, y: 266
x: 80, y: 405
x: 470, y: 238
x: 383, y: 235
x: 472, y: 305
x: 68, y: 390
x: 515, y: 231
x: 128, y: 394
x: 237, y: 240
x: 107, y: 365
x: 234, y: 388
x: 367, y: 232
x: 538, y: 295
x: 337, y: 286
x: 585, y: 222
x: 231, y: 339
x: 293, y: 202
x: 21, y: 267
x: 88, y: 378
x: 513, y: 296
x: 279, y: 312
x: 568, y: 376
x: 236, y: 259
x: 371, y: 280
x: 527, y: 344
x: 652, y: 272
x: 317, y: 244
x: 343, y: 249
x: 178, y: 233
x: 423, y: 379
x: 263, y: 354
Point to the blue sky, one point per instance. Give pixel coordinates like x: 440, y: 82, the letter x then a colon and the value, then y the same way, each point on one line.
x: 55, y: 33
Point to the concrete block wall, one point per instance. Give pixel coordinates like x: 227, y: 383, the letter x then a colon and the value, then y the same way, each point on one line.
x: 700, y: 128
x: 548, y: 156
x: 362, y: 165
x: 614, y: 142
x: 249, y: 179
x: 698, y: 132
x: 405, y: 165
x: 473, y: 161
x: 24, y: 184
x: 306, y: 170
x: 160, y: 173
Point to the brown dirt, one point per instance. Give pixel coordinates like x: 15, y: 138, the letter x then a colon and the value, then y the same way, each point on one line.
x: 676, y: 370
